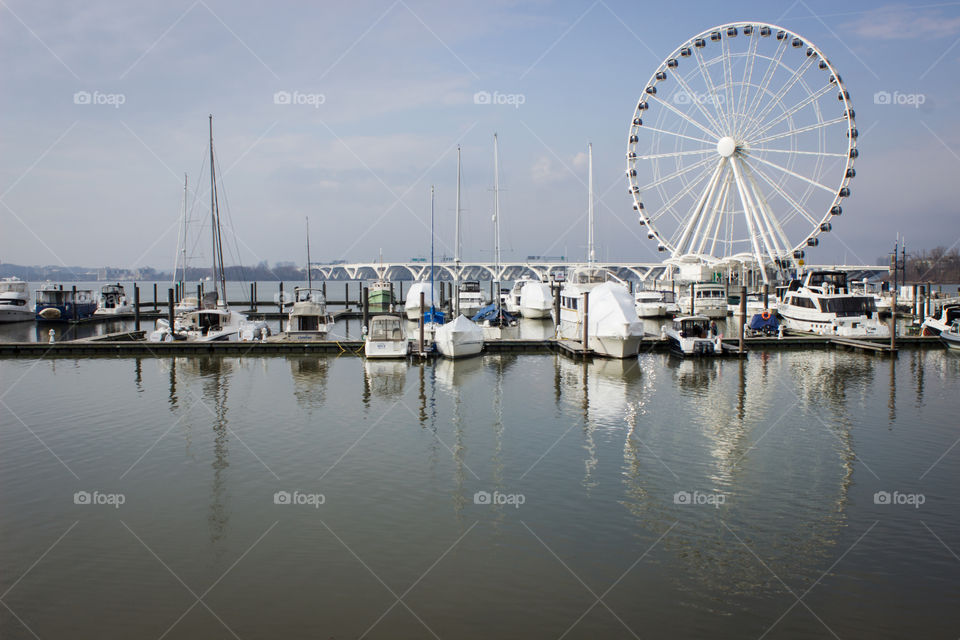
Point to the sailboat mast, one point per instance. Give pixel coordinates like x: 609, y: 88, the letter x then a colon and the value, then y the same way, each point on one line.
x: 496, y: 219
x: 431, y: 253
x: 309, y: 273
x: 213, y: 211
x: 591, y: 253
x: 456, y: 257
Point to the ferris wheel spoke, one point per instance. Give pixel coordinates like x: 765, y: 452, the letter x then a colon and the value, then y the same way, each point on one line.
x: 670, y: 203
x: 760, y: 129
x: 777, y: 237
x: 692, y: 95
x: 827, y: 154
x: 679, y: 135
x: 685, y: 116
x: 778, y: 97
x: 747, y: 77
x: 794, y: 174
x: 698, y: 237
x: 708, y: 80
x: 786, y: 196
x: 677, y: 154
x: 748, y: 215
x: 728, y: 82
x: 763, y: 224
x: 767, y: 79
x: 811, y: 127
x: 718, y: 214
x: 698, y: 209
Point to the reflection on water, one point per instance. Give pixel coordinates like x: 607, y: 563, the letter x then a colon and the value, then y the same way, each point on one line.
x: 600, y: 450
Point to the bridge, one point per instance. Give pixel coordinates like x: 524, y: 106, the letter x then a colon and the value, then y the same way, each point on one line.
x: 511, y: 271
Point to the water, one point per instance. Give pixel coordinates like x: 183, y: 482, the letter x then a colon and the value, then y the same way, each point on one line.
x: 781, y: 456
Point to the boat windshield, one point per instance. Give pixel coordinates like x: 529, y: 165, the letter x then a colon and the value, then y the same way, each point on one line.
x: 13, y: 287
x: 711, y: 292
x: 386, y: 329
x: 849, y: 305
x: 838, y: 279
x: 953, y: 314
x: 589, y: 276
x: 470, y: 287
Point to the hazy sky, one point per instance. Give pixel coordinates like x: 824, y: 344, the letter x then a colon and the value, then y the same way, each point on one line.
x: 381, y: 93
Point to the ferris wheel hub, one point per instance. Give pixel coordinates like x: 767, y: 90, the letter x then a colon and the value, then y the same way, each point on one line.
x: 726, y: 146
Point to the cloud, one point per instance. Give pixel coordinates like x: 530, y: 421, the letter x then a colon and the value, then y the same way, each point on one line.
x: 902, y: 23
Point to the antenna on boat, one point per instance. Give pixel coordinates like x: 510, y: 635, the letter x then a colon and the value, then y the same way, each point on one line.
x: 591, y: 253
x: 496, y: 222
x: 309, y: 274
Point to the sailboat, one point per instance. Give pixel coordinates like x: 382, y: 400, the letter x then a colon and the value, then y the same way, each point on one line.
x: 186, y: 303
x: 495, y: 314
x: 308, y: 318
x: 468, y: 299
x: 213, y: 320
x: 613, y: 328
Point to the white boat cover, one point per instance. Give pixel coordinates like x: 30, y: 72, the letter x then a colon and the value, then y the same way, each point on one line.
x: 613, y: 312
x: 413, y: 295
x: 536, y: 295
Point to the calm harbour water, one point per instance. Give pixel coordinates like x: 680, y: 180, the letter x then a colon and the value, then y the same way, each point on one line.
x: 657, y: 498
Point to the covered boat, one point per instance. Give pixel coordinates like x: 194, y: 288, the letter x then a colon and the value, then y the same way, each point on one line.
x: 459, y: 338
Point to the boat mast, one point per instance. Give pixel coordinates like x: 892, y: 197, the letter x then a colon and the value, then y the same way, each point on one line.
x: 309, y: 274
x: 219, y: 279
x: 591, y: 253
x: 431, y: 255
x: 183, y: 248
x: 456, y: 257
x: 496, y: 222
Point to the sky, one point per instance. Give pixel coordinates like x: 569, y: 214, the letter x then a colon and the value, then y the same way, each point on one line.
x: 347, y: 113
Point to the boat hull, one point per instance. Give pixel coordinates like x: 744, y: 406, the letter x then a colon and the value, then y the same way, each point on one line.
x: 857, y: 328
x: 65, y: 313
x: 16, y: 314
x: 615, y: 346
x: 651, y: 310
x: 386, y: 348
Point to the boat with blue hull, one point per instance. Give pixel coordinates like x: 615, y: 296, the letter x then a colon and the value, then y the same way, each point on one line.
x: 56, y: 304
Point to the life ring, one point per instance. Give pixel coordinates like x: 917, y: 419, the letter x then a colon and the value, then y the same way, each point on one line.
x: 765, y: 314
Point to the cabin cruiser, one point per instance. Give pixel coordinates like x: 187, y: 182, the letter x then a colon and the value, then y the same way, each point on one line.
x: 386, y: 338
x: 459, y: 338
x: 56, y: 303
x: 213, y: 322
x: 951, y: 335
x: 14, y: 299
x: 710, y: 299
x: 823, y: 304
x: 649, y: 304
x: 113, y: 301
x: 613, y: 328
x: 934, y: 326
x: 380, y: 295
x: 694, y: 336
x: 755, y: 304
x: 412, y: 306
x: 469, y: 298
x: 536, y: 299
x: 308, y: 318
x: 882, y: 299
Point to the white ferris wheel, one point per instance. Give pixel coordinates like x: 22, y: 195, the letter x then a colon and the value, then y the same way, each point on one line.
x: 742, y: 147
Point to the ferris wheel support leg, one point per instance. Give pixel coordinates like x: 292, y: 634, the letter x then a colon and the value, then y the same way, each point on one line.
x: 748, y: 215
x: 702, y: 232
x: 698, y: 210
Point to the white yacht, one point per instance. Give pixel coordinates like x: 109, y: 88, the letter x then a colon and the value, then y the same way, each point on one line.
x: 113, y: 301
x: 14, y: 301
x: 823, y: 304
x: 459, y: 338
x: 308, y: 318
x: 649, y: 304
x: 882, y: 299
x: 710, y: 299
x: 386, y: 338
x: 512, y: 302
x: 754, y: 304
x: 934, y: 326
x: 692, y: 336
x: 613, y: 328
x: 469, y: 298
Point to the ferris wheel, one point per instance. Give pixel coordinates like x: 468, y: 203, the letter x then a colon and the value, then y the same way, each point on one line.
x: 742, y: 147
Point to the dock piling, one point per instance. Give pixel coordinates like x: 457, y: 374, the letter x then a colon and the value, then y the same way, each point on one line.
x: 170, y: 308
x: 136, y: 307
x: 743, y: 312
x: 420, y: 322
x: 74, y: 305
x: 280, y: 298
x: 586, y: 320
x: 154, y: 297
x: 556, y: 306
x: 693, y: 292
x: 366, y: 309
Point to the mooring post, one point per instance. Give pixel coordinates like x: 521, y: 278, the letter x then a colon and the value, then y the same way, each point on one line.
x: 199, y: 295
x: 442, y: 287
x: 556, y: 306
x: 400, y: 297
x: 170, y: 308
x: 693, y: 293
x: 586, y: 321
x: 893, y: 321
x: 280, y: 297
x: 154, y: 297
x: 390, y: 308
x: 253, y: 299
x: 346, y: 296
x: 917, y: 294
x: 743, y: 313
x: 420, y: 322
x: 366, y: 309
x: 324, y: 287
x: 74, y: 305
x: 136, y: 307
x: 766, y: 295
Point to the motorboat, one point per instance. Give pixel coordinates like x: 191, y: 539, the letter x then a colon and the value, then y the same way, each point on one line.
x: 459, y: 338
x: 613, y: 328
x: 512, y: 301
x: 14, y: 301
x: 380, y: 295
x: 536, y: 299
x: 881, y: 297
x: 54, y: 303
x: 755, y: 304
x: 113, y: 301
x: 710, y: 299
x: 693, y: 336
x: 649, y: 304
x: 823, y: 304
x: 951, y: 335
x: 430, y: 299
x: 308, y: 318
x: 469, y: 298
x: 386, y: 338
x: 494, y: 315
x: 935, y: 325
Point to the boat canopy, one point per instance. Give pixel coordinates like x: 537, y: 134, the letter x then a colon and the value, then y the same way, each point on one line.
x: 386, y: 328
